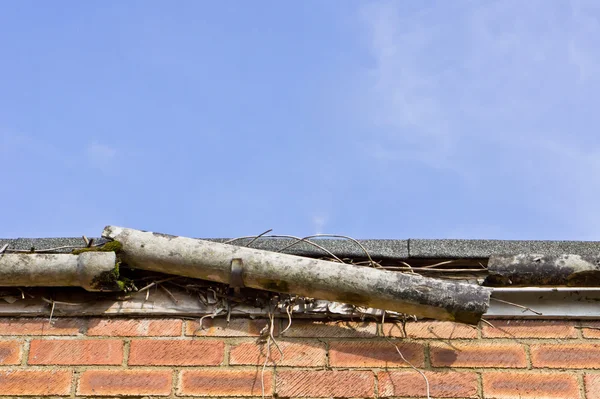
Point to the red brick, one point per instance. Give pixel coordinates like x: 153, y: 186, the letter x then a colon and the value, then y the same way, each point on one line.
x: 430, y: 329
x: 374, y: 354
x: 530, y: 385
x: 35, y: 382
x: 237, y: 327
x: 478, y: 354
x: 40, y: 326
x: 218, y: 382
x: 530, y: 329
x: 592, y: 386
x: 325, y: 384
x: 10, y: 352
x: 135, y: 327
x: 179, y: 352
x: 308, y: 354
x: 593, y: 331
x: 579, y: 355
x: 441, y: 385
x: 125, y: 382
x: 339, y: 329
x: 76, y: 351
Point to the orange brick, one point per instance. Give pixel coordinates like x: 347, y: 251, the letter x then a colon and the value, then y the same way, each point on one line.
x: 309, y: 354
x: 592, y: 386
x: 35, y: 382
x: 125, y: 382
x: 325, y: 384
x: 477, y: 354
x: 152, y: 352
x: 566, y: 355
x: 135, y: 327
x: 218, y: 382
x: 430, y: 329
x: 40, y: 326
x: 237, y: 327
x: 76, y: 352
x: 441, y: 385
x: 338, y: 329
x: 530, y: 385
x: 374, y: 354
x: 530, y: 329
x: 593, y: 330
x: 10, y: 352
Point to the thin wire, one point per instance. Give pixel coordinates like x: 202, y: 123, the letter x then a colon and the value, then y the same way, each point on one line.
x: 516, y: 305
x: 334, y: 236
x: 288, y: 311
x: 258, y: 236
x: 412, y: 366
x: 293, y: 237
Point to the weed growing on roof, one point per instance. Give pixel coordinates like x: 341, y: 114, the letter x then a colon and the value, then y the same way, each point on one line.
x: 110, y: 280
x: 111, y: 246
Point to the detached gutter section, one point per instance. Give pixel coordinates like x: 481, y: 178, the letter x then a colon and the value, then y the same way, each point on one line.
x: 247, y: 267
x: 87, y: 270
x: 535, y: 270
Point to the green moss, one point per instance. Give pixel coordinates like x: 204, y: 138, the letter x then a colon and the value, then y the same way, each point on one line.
x: 111, y: 246
x: 112, y: 281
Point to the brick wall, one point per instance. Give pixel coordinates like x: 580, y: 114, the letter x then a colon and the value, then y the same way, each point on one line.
x: 172, y: 357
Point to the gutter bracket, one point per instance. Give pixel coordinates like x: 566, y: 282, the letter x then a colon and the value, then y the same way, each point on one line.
x: 235, y: 278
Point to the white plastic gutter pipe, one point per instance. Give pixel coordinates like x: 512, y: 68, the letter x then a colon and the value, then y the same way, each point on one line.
x: 357, y: 285
x: 56, y: 270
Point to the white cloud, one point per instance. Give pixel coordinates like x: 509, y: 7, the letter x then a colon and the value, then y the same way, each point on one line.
x: 319, y: 222
x: 510, y: 84
x: 100, y: 155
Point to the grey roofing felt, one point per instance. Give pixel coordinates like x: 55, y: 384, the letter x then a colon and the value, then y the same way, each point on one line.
x: 484, y: 248
x: 382, y: 249
x: 379, y: 249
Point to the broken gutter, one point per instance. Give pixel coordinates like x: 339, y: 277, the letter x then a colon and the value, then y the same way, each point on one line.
x: 253, y: 268
x: 535, y: 270
x: 552, y: 284
x: 91, y: 270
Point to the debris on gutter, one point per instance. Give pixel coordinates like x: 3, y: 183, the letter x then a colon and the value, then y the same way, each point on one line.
x: 253, y: 268
x: 543, y: 270
x: 327, y: 278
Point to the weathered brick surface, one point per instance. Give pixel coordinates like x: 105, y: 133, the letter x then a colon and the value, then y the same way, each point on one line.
x: 321, y: 359
x: 151, y: 352
x: 592, y: 330
x: 441, y: 384
x: 76, y: 351
x: 339, y: 329
x: 510, y: 385
x: 478, y: 354
x: 125, y: 382
x: 41, y: 326
x: 430, y: 330
x: 325, y: 384
x: 374, y: 354
x: 235, y: 328
x: 218, y: 382
x: 306, y: 353
x: 556, y: 355
x: 35, y: 382
x: 529, y: 329
x: 135, y: 327
x: 592, y: 386
x: 10, y: 352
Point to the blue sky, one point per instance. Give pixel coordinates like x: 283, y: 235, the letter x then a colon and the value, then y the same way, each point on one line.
x: 375, y: 119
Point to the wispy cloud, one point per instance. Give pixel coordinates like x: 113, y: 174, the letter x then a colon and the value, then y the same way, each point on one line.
x: 100, y: 155
x: 491, y: 90
x: 319, y: 222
